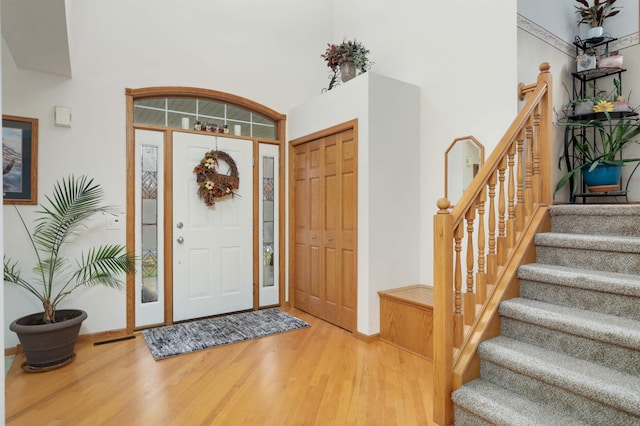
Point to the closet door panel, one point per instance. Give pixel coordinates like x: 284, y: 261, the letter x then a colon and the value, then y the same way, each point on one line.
x: 315, y: 278
x: 348, y: 278
x: 315, y: 204
x: 301, y: 226
x: 331, y: 299
x: 325, y: 203
x: 301, y: 281
x: 331, y: 233
x: 348, y: 230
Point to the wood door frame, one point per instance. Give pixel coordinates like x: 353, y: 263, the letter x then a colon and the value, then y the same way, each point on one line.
x: 178, y: 91
x: 257, y: 253
x: 338, y: 128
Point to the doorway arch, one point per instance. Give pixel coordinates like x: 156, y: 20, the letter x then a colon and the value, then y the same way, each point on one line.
x: 263, y: 126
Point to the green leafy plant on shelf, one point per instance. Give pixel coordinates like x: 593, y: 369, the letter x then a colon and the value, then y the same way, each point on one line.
x: 595, y: 14
x: 347, y: 51
x: 569, y: 109
x: 613, y: 136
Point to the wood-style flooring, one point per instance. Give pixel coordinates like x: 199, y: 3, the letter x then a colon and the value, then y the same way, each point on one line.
x: 320, y: 375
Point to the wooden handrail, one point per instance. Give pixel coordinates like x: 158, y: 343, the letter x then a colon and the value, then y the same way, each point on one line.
x: 487, y: 233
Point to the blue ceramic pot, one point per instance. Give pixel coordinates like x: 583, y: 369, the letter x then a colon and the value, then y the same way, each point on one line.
x: 603, y: 174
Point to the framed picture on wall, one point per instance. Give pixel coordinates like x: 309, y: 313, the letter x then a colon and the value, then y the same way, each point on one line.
x: 19, y: 160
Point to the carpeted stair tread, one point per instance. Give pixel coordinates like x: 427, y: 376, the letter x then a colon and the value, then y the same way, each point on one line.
x: 570, y: 344
x: 596, y: 210
x: 614, y: 219
x: 612, y: 243
x: 593, y: 252
x: 596, y: 326
x: 595, y: 382
x: 487, y: 401
x: 611, y: 282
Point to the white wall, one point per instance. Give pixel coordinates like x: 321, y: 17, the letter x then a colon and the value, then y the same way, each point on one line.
x: 631, y: 82
x: 465, y: 66
x: 532, y: 51
x: 560, y: 18
x: 388, y: 180
x: 268, y: 52
x: 562, y: 66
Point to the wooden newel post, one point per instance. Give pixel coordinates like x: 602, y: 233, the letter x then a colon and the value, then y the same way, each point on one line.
x: 546, y: 136
x: 443, y: 314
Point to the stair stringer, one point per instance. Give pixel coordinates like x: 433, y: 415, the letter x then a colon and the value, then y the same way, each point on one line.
x: 466, y: 363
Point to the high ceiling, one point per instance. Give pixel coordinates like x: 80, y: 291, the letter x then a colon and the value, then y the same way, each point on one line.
x: 35, y: 32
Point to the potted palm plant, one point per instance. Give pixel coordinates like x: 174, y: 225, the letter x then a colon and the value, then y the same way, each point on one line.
x: 595, y: 14
x: 599, y: 158
x: 48, y: 338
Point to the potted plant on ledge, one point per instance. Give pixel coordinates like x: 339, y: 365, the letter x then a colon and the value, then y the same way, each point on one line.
x: 599, y: 161
x: 595, y: 14
x: 348, y: 58
x: 48, y: 338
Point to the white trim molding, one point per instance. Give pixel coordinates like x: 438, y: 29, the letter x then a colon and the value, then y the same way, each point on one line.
x: 564, y: 46
x: 626, y: 41
x: 546, y: 36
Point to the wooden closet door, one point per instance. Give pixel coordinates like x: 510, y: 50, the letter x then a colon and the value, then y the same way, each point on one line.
x: 308, y: 262
x: 331, y: 235
x: 325, y: 218
x: 348, y: 237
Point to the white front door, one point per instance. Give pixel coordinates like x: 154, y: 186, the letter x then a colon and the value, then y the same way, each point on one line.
x: 212, y: 246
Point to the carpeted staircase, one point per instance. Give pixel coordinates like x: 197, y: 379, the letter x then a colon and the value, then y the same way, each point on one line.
x: 569, y: 349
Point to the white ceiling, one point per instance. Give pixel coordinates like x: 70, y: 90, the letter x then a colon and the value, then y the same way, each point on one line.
x: 35, y: 32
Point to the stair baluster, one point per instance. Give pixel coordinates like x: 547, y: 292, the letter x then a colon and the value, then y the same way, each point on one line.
x: 457, y: 329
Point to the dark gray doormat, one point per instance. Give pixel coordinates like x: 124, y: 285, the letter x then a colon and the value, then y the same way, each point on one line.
x: 172, y: 340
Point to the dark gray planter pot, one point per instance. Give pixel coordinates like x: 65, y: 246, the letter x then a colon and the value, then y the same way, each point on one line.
x: 48, y: 345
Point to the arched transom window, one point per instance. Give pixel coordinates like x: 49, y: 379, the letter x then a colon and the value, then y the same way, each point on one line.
x: 178, y: 112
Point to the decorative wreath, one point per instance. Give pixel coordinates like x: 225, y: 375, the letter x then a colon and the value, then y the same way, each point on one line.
x: 212, y: 185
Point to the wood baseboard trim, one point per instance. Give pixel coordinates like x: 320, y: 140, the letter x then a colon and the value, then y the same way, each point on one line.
x: 13, y: 351
x: 104, y: 336
x: 368, y: 338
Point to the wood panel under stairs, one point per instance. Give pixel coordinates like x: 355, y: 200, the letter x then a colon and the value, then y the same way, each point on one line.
x: 406, y: 318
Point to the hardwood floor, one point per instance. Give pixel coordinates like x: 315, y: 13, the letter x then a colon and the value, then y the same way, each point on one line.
x: 319, y: 375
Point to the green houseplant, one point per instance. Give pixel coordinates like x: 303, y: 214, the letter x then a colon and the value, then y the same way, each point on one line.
x: 620, y: 103
x: 595, y: 14
x: 588, y: 154
x: 585, y: 104
x: 348, y: 57
x: 63, y: 218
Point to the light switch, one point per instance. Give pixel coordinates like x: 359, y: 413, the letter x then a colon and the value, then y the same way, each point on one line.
x: 62, y: 116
